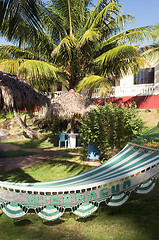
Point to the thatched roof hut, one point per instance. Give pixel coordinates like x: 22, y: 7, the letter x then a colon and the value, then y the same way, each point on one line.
x: 71, y: 105
x: 18, y: 95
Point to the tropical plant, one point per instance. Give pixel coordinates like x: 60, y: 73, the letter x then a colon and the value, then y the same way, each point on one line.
x: 79, y: 46
x: 111, y: 127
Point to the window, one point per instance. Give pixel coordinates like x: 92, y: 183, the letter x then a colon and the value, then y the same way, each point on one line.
x: 144, y: 76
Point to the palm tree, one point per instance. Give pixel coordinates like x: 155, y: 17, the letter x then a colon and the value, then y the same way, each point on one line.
x: 80, y: 47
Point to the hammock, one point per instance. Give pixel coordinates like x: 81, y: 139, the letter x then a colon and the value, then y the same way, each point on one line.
x: 135, y: 168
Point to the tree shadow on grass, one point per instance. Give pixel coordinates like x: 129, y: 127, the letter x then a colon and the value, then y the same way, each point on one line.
x: 16, y: 176
x: 33, y: 228
x: 87, y: 219
x: 22, y: 222
x: 53, y: 223
x: 32, y: 143
x: 71, y: 166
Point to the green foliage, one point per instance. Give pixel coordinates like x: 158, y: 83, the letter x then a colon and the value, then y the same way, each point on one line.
x: 11, y: 66
x: 53, y: 124
x: 152, y: 144
x: 6, y: 115
x: 88, y: 45
x: 111, y: 127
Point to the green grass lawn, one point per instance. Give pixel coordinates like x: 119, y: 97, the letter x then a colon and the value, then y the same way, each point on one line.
x: 137, y: 219
x: 150, y: 117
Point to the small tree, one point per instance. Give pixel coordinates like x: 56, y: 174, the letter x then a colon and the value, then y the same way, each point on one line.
x: 111, y: 127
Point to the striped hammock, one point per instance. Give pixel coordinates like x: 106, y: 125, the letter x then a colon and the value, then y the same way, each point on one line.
x: 135, y: 168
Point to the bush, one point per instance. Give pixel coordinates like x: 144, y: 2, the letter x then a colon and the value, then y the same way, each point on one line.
x: 53, y: 124
x: 111, y: 127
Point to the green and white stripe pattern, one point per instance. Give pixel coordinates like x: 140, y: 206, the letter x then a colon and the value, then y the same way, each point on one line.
x: 132, y: 169
x: 14, y: 210
x: 146, y: 187
x: 117, y: 199
x: 49, y: 213
x: 86, y: 209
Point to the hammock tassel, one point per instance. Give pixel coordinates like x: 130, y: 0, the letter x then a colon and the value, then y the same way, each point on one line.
x: 14, y: 210
x: 49, y: 213
x: 146, y: 187
x: 86, y: 209
x: 117, y: 199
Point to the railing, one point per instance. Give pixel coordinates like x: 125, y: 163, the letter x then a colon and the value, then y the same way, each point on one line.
x: 59, y: 93
x: 136, y: 90
x: 118, y: 91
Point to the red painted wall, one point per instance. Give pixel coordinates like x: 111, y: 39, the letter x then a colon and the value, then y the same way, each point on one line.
x: 142, y: 102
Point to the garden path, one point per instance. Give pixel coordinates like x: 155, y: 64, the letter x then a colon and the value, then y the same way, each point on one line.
x: 11, y: 163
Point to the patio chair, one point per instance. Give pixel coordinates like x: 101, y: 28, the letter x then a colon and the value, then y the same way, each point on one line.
x: 62, y: 138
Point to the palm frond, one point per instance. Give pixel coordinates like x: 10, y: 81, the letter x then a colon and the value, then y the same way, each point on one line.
x: 54, y: 24
x: 120, y: 61
x: 11, y: 66
x: 135, y: 35
x: 91, y: 35
x: 92, y: 16
x: 103, y: 17
x: 30, y: 38
x: 130, y: 65
x: 151, y: 53
x: 64, y: 49
x: 116, y: 52
x: 16, y: 52
x: 117, y: 24
x: 93, y: 82
x: 2, y: 60
x: 156, y: 30
x: 41, y: 74
x: 12, y: 11
x: 73, y: 12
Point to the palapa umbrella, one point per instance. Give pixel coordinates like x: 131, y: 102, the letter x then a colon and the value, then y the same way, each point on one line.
x: 71, y: 105
x: 16, y: 95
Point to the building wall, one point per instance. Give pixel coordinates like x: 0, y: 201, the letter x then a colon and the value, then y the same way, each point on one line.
x: 127, y: 81
x: 142, y: 102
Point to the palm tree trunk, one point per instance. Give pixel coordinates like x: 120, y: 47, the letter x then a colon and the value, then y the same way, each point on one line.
x: 30, y: 133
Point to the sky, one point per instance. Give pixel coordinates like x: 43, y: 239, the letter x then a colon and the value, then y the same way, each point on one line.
x: 146, y: 12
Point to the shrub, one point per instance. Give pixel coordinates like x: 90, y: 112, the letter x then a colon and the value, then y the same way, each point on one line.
x: 53, y: 124
x: 111, y: 127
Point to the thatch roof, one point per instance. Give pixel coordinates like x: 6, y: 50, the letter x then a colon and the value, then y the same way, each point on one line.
x: 71, y: 104
x: 16, y: 94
